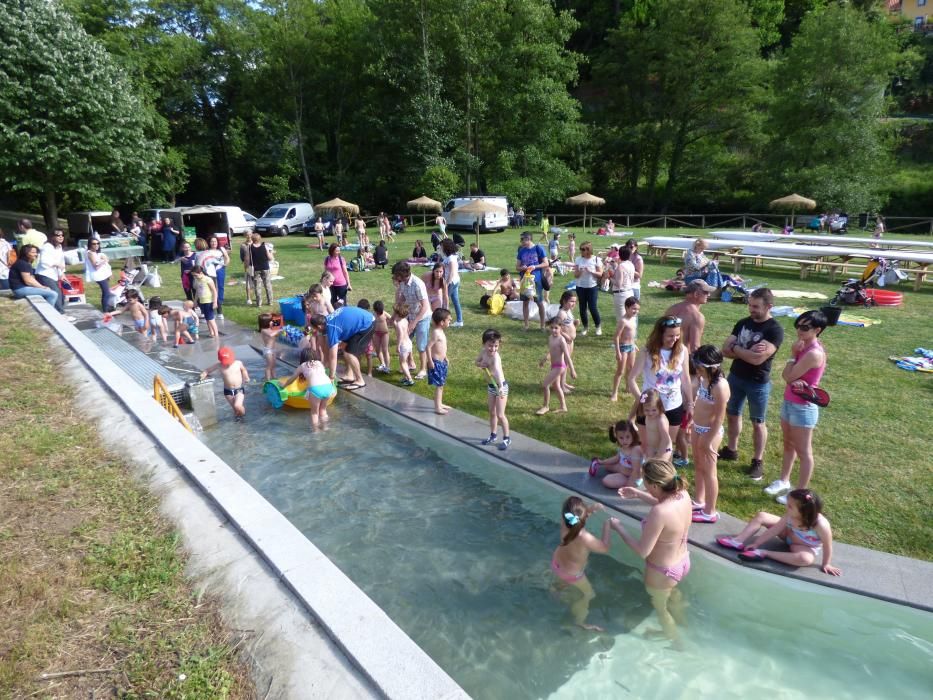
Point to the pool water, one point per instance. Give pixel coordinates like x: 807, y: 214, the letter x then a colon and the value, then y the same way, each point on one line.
x: 456, y: 549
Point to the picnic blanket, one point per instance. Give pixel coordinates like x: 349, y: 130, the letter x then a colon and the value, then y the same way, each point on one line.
x: 794, y: 294
x: 921, y: 361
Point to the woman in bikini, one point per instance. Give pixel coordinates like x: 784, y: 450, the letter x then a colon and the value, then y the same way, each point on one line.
x: 663, y: 540
x: 569, y: 560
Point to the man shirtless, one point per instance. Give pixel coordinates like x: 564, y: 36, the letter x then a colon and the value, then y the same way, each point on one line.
x: 697, y: 294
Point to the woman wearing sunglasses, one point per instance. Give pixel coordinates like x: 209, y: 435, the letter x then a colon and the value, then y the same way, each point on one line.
x: 663, y: 365
x: 799, y: 416
x: 97, y: 269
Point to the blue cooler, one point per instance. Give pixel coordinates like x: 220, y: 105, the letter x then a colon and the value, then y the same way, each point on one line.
x: 292, y: 311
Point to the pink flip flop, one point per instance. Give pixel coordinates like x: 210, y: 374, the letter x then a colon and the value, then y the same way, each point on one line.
x: 751, y: 555
x: 730, y: 543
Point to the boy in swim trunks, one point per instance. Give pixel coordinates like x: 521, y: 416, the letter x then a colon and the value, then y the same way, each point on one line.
x: 497, y: 389
x: 180, y: 325
x: 437, y: 359
x: 235, y: 376
x: 268, y: 334
x: 624, y: 344
x: 136, y: 309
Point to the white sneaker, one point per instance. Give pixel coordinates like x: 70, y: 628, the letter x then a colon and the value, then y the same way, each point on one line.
x: 782, y: 499
x: 458, y: 324
x: 599, y: 330
x: 777, y: 487
x: 220, y: 316
x: 583, y: 332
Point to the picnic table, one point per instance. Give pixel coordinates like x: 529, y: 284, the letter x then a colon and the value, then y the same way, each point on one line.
x: 849, y: 241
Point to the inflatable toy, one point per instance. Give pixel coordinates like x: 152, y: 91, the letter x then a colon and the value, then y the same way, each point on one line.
x: 294, y: 395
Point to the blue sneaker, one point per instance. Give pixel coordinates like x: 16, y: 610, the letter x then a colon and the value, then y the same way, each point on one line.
x: 504, y: 445
x: 490, y: 440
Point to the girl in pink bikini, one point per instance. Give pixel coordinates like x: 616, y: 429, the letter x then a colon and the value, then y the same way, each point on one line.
x: 625, y: 465
x: 569, y: 559
x: 663, y: 540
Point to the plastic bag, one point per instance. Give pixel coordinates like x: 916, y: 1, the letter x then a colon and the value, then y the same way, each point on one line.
x: 527, y: 287
x: 153, y: 279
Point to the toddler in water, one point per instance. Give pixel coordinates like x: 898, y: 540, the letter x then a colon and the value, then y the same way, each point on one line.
x: 320, y: 386
x: 180, y: 318
x: 497, y: 390
x: 381, y: 336
x: 156, y: 319
x: 559, y: 355
x: 136, y: 309
x: 235, y: 376
x: 803, y: 528
x: 191, y: 318
x: 569, y: 559
x: 650, y: 413
x: 268, y: 334
x: 626, y: 464
x: 624, y: 345
x: 400, y: 321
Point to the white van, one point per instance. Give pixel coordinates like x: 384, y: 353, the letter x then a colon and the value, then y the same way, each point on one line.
x: 283, y: 219
x: 488, y: 222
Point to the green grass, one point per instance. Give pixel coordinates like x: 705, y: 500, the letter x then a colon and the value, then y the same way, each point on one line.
x: 90, y: 576
x: 873, y: 463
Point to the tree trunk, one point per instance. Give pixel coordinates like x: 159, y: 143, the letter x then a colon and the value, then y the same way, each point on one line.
x: 50, y: 209
x: 299, y: 111
x: 677, y: 156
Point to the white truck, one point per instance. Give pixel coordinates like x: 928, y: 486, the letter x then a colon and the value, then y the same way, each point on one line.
x: 489, y: 221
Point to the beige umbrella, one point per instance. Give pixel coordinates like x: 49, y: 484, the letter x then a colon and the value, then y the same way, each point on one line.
x: 585, y: 200
x: 480, y: 208
x: 424, y: 204
x: 338, y: 204
x: 793, y: 202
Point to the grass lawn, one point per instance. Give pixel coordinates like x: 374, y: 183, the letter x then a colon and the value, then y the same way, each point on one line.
x: 873, y: 464
x: 91, y: 579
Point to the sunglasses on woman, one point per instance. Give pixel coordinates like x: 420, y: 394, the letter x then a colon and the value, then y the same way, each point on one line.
x: 672, y: 322
x: 804, y: 327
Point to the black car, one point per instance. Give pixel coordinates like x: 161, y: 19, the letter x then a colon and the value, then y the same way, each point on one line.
x: 328, y: 222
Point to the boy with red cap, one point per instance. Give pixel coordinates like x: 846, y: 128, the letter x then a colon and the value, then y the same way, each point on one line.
x: 235, y: 376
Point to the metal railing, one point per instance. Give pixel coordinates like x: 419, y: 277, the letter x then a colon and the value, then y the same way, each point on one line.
x: 161, y: 394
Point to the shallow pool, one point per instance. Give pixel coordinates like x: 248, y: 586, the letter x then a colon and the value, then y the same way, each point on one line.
x: 455, y: 548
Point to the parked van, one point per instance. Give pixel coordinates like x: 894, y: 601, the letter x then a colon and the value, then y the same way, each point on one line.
x: 173, y: 213
x: 210, y: 220
x: 488, y: 222
x: 283, y: 219
x: 83, y: 224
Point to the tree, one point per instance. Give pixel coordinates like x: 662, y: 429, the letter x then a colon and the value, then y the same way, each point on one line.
x: 681, y: 85
x: 69, y: 121
x: 827, y: 139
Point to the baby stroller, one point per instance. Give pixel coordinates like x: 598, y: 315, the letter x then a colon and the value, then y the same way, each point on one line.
x: 132, y: 276
x: 853, y: 292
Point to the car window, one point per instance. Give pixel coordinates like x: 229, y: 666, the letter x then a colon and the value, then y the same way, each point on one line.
x: 291, y: 214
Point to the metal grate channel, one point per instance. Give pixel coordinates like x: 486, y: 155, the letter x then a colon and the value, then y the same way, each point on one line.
x: 137, y: 364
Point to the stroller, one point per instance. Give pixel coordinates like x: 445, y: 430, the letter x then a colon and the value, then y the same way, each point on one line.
x: 878, y: 272
x: 132, y: 276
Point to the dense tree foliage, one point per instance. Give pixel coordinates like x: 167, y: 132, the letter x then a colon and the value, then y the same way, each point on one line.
x: 655, y: 104
x: 69, y: 121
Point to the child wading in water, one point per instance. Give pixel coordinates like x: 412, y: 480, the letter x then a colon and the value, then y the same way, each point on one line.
x: 400, y: 321
x: 320, y: 386
x: 709, y: 414
x: 381, y: 336
x: 803, y: 528
x: 497, y: 389
x: 650, y: 413
x: 626, y: 464
x: 134, y: 307
x: 235, y: 376
x: 156, y: 320
x: 268, y: 335
x: 569, y: 559
x: 624, y: 345
x: 437, y: 359
x: 559, y: 355
x: 180, y: 318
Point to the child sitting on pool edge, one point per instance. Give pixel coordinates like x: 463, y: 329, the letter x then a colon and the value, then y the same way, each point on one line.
x: 803, y: 527
x: 234, y: 375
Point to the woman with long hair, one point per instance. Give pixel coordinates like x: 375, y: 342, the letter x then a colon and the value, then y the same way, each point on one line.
x: 436, y: 287
x: 663, y: 364
x: 335, y: 264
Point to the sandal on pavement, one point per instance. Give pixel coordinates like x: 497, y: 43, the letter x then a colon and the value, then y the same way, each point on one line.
x: 731, y: 543
x: 752, y: 555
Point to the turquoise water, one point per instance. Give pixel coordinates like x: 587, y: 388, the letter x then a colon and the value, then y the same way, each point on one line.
x: 456, y: 548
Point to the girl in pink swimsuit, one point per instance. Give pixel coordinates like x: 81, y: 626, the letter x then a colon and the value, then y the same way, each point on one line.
x: 663, y: 540
x: 569, y: 559
x: 625, y: 466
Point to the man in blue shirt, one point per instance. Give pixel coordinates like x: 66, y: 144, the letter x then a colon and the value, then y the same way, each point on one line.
x: 531, y: 257
x: 351, y: 328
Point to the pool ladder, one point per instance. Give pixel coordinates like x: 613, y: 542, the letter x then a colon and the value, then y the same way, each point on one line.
x: 161, y: 394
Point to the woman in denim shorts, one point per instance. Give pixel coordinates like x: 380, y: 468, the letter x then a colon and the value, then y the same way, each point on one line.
x: 798, y: 416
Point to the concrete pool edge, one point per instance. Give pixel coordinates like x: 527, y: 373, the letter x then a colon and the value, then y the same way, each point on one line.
x: 372, y: 643
x: 888, y: 577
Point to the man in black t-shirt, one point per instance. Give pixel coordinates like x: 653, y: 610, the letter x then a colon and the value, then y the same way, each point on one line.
x: 477, y: 258
x: 753, y: 344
